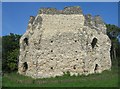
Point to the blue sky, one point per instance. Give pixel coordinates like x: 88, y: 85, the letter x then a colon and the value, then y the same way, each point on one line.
x: 15, y: 15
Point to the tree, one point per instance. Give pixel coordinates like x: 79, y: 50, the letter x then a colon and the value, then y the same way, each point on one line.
x: 10, y: 52
x: 113, y: 31
x: 12, y: 60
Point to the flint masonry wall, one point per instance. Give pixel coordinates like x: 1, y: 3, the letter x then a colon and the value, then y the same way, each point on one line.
x: 57, y: 42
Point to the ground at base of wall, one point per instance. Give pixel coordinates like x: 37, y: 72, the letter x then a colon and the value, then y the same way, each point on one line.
x: 105, y: 79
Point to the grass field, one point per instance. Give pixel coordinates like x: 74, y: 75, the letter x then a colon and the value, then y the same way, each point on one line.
x: 105, y: 79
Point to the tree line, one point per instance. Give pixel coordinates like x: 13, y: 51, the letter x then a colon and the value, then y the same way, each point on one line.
x: 10, y: 52
x: 10, y: 48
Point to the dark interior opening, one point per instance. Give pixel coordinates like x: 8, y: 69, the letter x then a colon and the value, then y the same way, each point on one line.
x: 75, y: 40
x: 51, y: 59
x: 25, y: 66
x: 76, y: 51
x: 74, y: 67
x: 96, y: 67
x: 51, y: 67
x: 51, y: 50
x: 51, y: 41
x: 94, y: 41
x: 26, y: 41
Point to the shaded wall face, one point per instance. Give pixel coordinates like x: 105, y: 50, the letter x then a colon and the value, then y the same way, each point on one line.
x: 59, y: 43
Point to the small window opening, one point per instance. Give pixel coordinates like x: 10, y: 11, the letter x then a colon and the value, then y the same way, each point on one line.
x: 94, y: 41
x: 96, y: 67
x: 51, y: 59
x: 76, y: 59
x: 75, y: 40
x: 76, y: 51
x: 51, y: 67
x: 51, y: 50
x: 25, y: 66
x: 51, y: 41
x: 74, y: 67
x: 26, y: 41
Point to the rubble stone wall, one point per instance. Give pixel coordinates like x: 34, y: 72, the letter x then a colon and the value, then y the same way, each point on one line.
x: 57, y: 42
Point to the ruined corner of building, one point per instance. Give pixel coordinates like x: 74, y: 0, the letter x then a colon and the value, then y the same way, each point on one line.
x: 61, y: 41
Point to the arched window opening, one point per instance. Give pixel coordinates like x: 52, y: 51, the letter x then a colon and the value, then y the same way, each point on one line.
x: 25, y: 66
x: 96, y: 67
x: 26, y: 41
x: 74, y: 67
x: 94, y: 41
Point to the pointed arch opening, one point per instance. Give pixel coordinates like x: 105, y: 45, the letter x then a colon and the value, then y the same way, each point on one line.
x: 26, y: 41
x: 96, y: 68
x: 94, y: 41
x: 25, y: 66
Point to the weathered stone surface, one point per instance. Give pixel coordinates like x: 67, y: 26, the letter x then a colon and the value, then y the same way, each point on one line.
x: 57, y: 42
x: 67, y: 10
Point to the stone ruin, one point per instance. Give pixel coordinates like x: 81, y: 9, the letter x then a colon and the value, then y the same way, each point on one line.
x: 61, y: 41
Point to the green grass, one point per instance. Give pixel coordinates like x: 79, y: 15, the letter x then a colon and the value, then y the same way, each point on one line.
x: 105, y: 79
